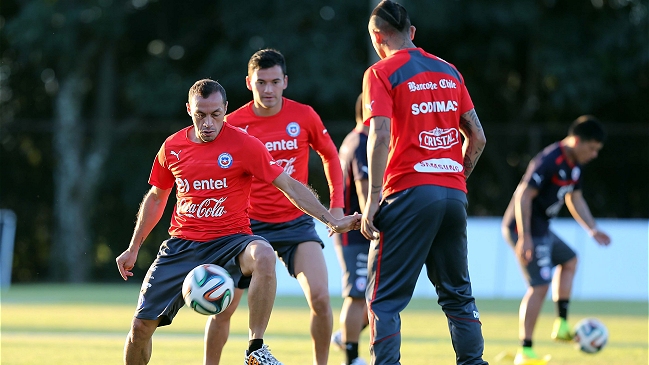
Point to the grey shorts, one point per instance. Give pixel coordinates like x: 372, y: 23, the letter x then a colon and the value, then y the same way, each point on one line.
x: 285, y: 237
x: 160, y: 295
x: 353, y: 263
x: 549, y: 251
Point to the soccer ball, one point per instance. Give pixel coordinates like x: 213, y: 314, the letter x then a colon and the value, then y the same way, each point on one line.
x: 590, y: 335
x: 208, y: 289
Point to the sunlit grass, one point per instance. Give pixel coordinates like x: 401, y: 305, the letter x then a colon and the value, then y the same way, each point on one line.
x: 88, y: 324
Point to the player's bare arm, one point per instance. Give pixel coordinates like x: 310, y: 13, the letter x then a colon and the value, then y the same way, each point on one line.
x: 151, y: 210
x: 474, y: 140
x: 306, y: 200
x: 523, y: 211
x: 378, y: 147
x: 581, y: 212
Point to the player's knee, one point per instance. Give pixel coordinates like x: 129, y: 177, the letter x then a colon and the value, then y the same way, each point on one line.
x: 141, y: 331
x: 264, y: 257
x: 320, y: 302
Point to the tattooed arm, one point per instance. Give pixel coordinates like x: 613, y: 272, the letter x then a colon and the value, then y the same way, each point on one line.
x: 378, y: 147
x: 474, y: 140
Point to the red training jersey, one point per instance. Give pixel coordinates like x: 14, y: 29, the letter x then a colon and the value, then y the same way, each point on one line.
x: 288, y: 135
x: 212, y: 181
x: 424, y: 97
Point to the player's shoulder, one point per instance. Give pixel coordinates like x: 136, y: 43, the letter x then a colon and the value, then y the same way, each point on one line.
x: 235, y: 133
x: 240, y: 115
x: 178, y: 138
x: 294, y: 106
x: 548, y: 156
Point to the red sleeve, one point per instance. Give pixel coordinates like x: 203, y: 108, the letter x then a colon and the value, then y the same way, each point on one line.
x: 260, y: 163
x: 320, y: 141
x: 376, y: 95
x: 161, y: 176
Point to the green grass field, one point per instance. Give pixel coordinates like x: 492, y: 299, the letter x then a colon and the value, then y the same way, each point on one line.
x: 62, y: 324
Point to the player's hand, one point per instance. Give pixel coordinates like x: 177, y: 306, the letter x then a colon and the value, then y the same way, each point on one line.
x: 602, y: 238
x: 125, y: 263
x: 367, y: 224
x: 345, y: 224
x: 524, y: 249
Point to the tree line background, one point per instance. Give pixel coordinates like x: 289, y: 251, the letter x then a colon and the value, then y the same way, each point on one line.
x: 89, y: 89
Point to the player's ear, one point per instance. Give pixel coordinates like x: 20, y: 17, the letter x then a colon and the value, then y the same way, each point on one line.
x: 248, y: 85
x: 189, y: 109
x: 285, y: 82
x: 412, y: 32
x: 225, y: 108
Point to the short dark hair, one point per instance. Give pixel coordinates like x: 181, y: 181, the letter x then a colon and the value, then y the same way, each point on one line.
x: 393, y: 15
x: 266, y: 58
x: 205, y: 88
x: 587, y: 128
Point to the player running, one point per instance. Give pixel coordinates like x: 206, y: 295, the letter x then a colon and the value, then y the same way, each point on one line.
x: 212, y: 165
x: 552, y: 176
x: 287, y: 129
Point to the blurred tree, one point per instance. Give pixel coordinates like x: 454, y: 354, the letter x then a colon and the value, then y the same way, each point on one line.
x: 89, y: 89
x: 73, y: 43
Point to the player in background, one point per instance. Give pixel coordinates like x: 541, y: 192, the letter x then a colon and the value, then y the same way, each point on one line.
x: 212, y: 165
x: 417, y: 105
x: 288, y: 129
x: 552, y: 177
x: 352, y: 247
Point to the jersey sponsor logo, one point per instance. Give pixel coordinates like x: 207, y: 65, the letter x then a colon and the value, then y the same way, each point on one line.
x: 576, y: 172
x: 434, y: 107
x: 439, y: 138
x: 208, y: 208
x: 293, y: 129
x: 182, y: 185
x: 447, y: 84
x: 287, y: 164
x: 210, y: 184
x: 225, y: 160
x: 438, y: 165
x: 442, y: 84
x: 281, y: 145
x: 413, y: 86
x: 177, y: 154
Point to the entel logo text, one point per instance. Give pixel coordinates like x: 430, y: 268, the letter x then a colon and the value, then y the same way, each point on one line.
x: 281, y: 145
x: 207, y: 184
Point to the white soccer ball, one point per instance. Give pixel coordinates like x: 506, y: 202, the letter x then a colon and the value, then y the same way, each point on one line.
x: 590, y: 335
x: 208, y: 289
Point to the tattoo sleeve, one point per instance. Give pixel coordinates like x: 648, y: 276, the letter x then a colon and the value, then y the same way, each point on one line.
x: 474, y: 141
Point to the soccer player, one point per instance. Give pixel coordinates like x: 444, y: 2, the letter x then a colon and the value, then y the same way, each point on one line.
x: 552, y: 177
x: 288, y: 129
x: 212, y: 165
x: 352, y: 247
x: 417, y: 105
